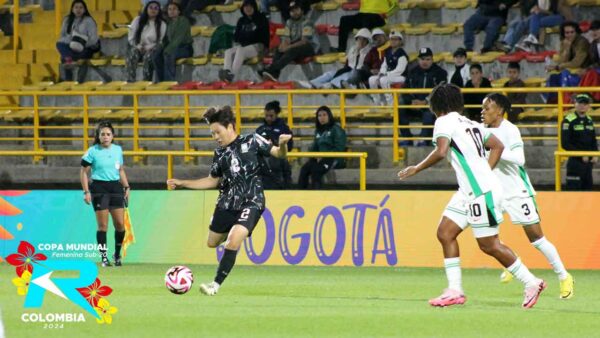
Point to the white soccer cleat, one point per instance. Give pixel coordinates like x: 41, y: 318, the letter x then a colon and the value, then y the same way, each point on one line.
x: 210, y: 289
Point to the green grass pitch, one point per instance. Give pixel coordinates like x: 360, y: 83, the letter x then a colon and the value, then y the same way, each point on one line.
x: 262, y: 301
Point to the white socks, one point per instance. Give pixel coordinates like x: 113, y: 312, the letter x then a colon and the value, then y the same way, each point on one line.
x: 520, y: 271
x: 549, y: 250
x: 453, y: 273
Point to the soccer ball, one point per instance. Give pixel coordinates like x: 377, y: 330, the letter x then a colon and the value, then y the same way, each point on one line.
x: 179, y: 279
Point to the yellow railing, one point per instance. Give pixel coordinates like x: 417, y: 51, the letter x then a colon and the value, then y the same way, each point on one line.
x: 239, y: 108
x: 171, y: 154
x: 561, y: 155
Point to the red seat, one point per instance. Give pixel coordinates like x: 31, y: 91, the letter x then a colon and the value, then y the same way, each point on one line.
x: 305, y: 60
x: 333, y: 30
x: 536, y: 57
x: 585, y: 26
x: 351, y: 6
x: 283, y: 85
x: 212, y: 86
x: 262, y: 85
x: 189, y: 85
x: 513, y: 57
x: 322, y: 28
x: 238, y: 85
x: 398, y: 85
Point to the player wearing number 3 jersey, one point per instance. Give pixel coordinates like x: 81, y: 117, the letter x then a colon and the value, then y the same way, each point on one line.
x: 519, y: 195
x: 478, y: 200
x: 241, y: 200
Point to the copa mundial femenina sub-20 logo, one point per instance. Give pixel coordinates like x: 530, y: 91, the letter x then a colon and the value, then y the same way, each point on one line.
x: 35, y: 278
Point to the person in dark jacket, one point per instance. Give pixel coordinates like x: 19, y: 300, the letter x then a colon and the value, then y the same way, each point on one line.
x: 477, y: 81
x: 514, y: 81
x: 578, y: 133
x: 276, y: 173
x: 251, y: 39
x: 329, y: 137
x: 489, y: 16
x: 177, y: 44
x: 425, y: 75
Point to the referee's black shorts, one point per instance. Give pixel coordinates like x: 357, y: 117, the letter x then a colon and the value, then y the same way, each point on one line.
x: 223, y: 220
x: 107, y: 195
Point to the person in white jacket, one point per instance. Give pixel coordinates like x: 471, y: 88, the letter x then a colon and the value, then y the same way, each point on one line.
x: 145, y: 34
x: 354, y: 61
x: 460, y: 76
x: 393, y: 68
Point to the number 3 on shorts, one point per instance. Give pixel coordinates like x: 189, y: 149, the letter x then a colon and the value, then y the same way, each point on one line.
x: 244, y: 215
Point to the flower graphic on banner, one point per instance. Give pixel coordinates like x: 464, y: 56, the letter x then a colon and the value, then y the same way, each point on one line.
x: 105, y: 310
x: 22, y: 283
x: 95, y: 292
x: 24, y: 258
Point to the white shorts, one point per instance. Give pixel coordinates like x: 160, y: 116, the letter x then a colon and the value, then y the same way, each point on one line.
x: 522, y: 210
x: 483, y: 213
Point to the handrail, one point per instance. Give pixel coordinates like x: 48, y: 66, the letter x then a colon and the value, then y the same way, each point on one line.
x: 238, y: 106
x: 362, y: 156
x: 559, y: 155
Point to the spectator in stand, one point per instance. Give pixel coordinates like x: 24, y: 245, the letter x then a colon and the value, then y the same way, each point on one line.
x: 574, y: 53
x: 425, y: 75
x: 276, y: 173
x: 145, y: 33
x: 329, y: 137
x: 78, y: 37
x: 477, y: 81
x: 163, y: 3
x: 177, y: 44
x: 489, y: 16
x: 372, y: 63
x: 251, y: 39
x: 514, y: 81
x: 578, y: 133
x: 372, y: 13
x: 461, y: 74
x: 543, y: 13
x: 298, y: 43
x: 284, y: 7
x: 355, y: 60
x: 393, y: 69
x: 6, y: 26
x: 591, y: 75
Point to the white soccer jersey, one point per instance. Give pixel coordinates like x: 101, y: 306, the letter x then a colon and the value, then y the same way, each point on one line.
x: 467, y: 153
x: 510, y: 171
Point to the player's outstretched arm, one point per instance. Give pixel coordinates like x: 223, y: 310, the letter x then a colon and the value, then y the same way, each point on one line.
x: 438, y: 154
x: 208, y: 182
x: 281, y: 150
x: 496, y: 148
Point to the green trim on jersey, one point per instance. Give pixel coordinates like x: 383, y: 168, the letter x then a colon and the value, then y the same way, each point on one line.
x: 472, y: 181
x: 516, y: 145
x: 525, y: 178
x: 458, y: 211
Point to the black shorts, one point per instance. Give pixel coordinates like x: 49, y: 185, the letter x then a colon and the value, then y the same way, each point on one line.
x: 107, y: 195
x: 223, y: 220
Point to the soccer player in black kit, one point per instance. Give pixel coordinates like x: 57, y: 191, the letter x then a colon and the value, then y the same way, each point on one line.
x: 241, y: 202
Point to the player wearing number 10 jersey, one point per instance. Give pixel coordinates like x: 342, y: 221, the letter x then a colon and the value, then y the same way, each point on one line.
x: 478, y: 200
x: 519, y: 195
x: 241, y: 200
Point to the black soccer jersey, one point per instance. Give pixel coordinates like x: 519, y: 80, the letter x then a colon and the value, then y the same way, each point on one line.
x: 238, y: 165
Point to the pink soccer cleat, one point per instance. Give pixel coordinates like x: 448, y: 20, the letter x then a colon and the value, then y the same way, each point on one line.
x: 532, y: 294
x: 449, y: 297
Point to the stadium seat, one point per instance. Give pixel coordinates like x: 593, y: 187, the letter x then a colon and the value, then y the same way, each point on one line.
x: 534, y: 81
x: 322, y: 28
x: 197, y: 30
x: 62, y: 86
x: 198, y: 60
x: 228, y: 8
x: 217, y: 60
x: 326, y: 6
x: 513, y: 57
x: 188, y: 85
x: 284, y: 85
x: 444, y: 30
x: 456, y: 4
x: 238, y: 85
x: 139, y: 85
x: 262, y: 85
x: 404, y: 5
x: 327, y: 58
x: 90, y: 85
x: 161, y: 85
x: 116, y: 33
x: 431, y: 4
x: 418, y: 30
x: 351, y: 6
x: 252, y: 61
x: 499, y: 83
x: 111, y: 86
x: 212, y: 86
x: 208, y: 31
x: 333, y: 30
x: 486, y: 57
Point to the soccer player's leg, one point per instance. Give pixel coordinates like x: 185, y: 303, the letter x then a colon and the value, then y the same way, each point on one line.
x: 454, y: 220
x: 485, y: 226
x: 524, y: 211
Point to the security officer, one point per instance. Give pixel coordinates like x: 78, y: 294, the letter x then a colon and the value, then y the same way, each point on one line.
x: 578, y: 134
